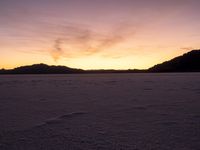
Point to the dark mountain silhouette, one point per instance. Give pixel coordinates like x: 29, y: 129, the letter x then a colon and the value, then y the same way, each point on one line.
x: 189, y: 62
x: 45, y: 69
x: 41, y: 69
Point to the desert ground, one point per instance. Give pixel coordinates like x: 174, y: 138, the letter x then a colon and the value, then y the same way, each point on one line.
x: 100, y: 112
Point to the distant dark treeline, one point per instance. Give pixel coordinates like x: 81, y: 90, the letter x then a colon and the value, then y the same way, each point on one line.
x: 189, y: 62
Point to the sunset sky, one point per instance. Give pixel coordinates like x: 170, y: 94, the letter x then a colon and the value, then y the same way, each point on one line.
x: 97, y: 34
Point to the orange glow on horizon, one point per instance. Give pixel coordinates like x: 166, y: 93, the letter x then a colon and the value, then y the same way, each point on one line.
x: 120, y: 34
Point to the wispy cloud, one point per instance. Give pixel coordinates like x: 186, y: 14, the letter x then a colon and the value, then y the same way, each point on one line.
x: 57, y: 51
x: 82, y: 41
x: 187, y: 48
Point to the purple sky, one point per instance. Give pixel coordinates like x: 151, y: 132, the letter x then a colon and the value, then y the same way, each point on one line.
x: 94, y: 34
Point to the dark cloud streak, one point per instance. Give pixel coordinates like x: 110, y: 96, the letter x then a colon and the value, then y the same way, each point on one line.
x: 57, y: 51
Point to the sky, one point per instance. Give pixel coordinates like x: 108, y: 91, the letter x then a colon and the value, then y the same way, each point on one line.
x: 97, y: 34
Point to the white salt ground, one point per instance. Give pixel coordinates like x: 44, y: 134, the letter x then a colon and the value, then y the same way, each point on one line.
x: 100, y: 112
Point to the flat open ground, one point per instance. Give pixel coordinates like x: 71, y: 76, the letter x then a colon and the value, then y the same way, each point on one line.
x: 100, y: 112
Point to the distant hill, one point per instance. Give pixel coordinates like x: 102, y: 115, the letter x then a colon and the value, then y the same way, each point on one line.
x: 41, y: 69
x: 189, y: 62
x: 45, y: 69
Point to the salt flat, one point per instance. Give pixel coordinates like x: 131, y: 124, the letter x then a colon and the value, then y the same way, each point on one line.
x: 100, y: 112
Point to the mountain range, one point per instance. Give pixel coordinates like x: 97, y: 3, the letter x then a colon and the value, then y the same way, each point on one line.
x: 189, y: 62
